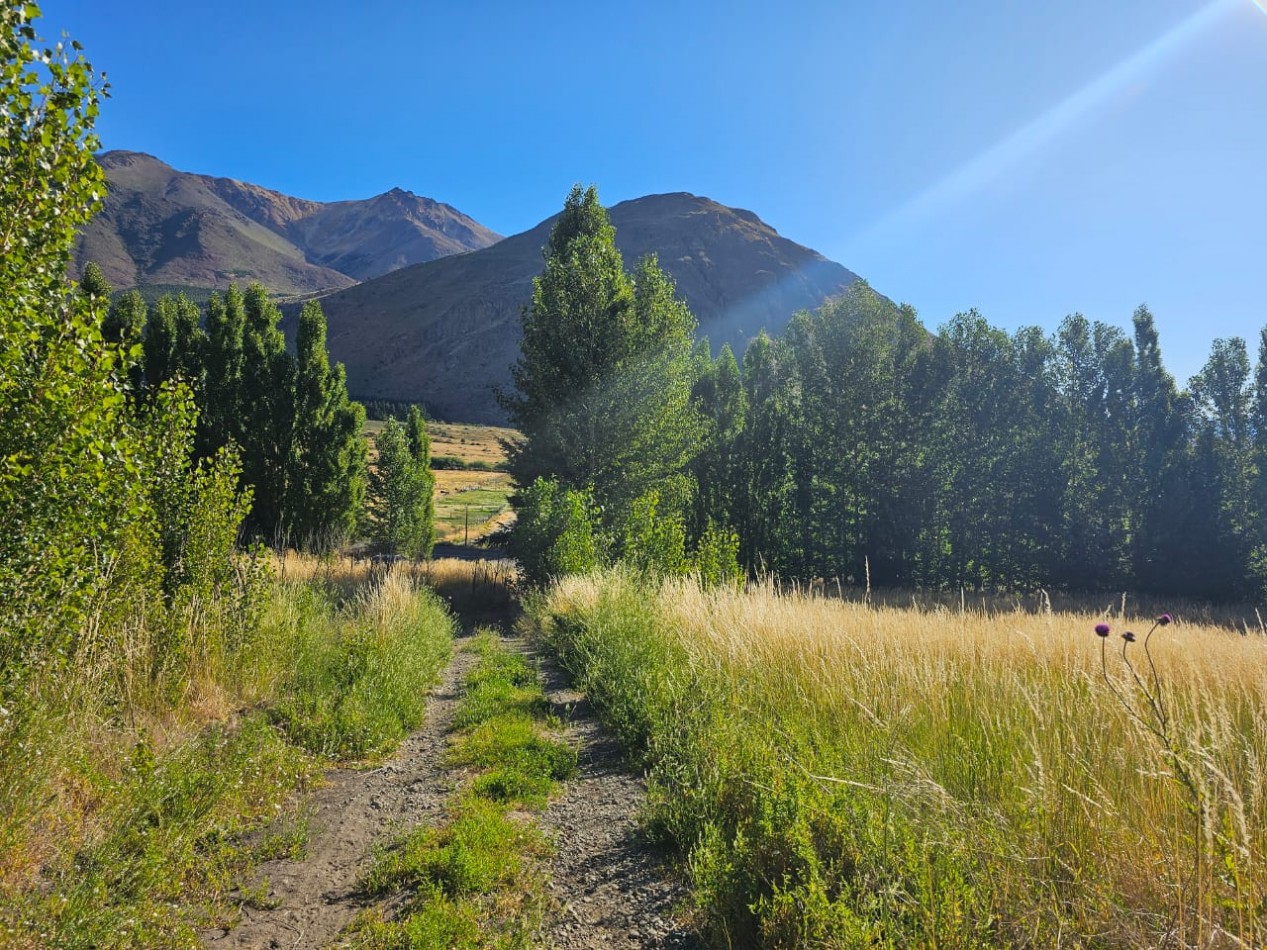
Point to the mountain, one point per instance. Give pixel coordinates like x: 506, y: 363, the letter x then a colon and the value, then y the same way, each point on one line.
x: 164, y: 227
x: 446, y: 332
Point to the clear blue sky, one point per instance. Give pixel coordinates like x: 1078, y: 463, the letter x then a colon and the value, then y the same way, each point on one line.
x: 1028, y: 159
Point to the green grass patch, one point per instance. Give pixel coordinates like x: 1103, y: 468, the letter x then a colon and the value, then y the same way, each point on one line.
x: 479, y: 504
x: 175, y: 843
x: 144, y: 841
x: 361, y: 686
x: 473, y: 880
x: 479, y: 849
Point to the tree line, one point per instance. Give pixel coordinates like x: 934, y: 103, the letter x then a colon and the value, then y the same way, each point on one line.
x: 859, y: 445
x: 287, y: 414
x: 142, y: 446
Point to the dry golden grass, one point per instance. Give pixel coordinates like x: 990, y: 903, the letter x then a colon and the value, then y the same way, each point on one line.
x: 470, y: 443
x: 466, y: 583
x: 451, y: 480
x: 999, y: 728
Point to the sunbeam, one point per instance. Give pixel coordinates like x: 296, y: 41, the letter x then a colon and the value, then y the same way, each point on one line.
x: 995, y: 161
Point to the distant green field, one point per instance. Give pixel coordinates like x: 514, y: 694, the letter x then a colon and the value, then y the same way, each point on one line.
x: 480, y: 505
x: 479, y: 497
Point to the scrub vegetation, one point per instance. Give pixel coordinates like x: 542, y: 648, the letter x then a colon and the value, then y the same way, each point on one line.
x: 132, y: 818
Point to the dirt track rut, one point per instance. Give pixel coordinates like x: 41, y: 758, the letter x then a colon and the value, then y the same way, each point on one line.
x: 611, y: 887
x: 311, y: 899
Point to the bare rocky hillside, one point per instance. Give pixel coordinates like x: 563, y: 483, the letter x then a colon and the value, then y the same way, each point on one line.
x: 446, y: 332
x: 163, y: 227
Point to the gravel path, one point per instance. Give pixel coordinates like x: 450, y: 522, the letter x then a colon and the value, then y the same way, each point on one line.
x: 314, y: 896
x: 612, y: 885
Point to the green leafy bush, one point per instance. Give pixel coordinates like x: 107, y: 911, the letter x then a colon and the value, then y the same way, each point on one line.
x: 557, y: 532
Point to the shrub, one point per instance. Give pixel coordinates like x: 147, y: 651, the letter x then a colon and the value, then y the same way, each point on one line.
x: 556, y: 533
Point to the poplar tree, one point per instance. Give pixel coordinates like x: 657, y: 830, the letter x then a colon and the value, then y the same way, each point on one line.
x: 399, y: 496
x: 420, y: 449
x: 63, y: 457
x: 266, y: 400
x: 719, y: 399
x: 326, y: 480
x: 122, y: 327
x: 93, y: 283
x: 125, y: 319
x: 175, y: 343
x: 603, y: 386
x: 223, y: 411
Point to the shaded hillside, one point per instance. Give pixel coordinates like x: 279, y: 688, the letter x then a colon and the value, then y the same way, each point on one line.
x: 165, y: 227
x: 447, y: 332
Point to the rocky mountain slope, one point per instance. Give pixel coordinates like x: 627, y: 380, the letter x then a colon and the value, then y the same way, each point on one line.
x: 446, y: 332
x: 163, y: 227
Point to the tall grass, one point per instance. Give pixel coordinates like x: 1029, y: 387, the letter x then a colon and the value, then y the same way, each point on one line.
x: 359, y: 687
x: 126, y: 792
x: 841, y: 774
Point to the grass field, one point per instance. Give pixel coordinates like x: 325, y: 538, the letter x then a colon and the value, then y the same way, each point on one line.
x: 469, y: 503
x: 851, y: 775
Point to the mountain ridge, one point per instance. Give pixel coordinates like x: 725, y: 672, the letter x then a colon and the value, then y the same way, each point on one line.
x: 446, y: 332
x: 163, y: 226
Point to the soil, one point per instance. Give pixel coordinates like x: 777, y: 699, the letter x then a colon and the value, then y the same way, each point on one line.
x: 310, y: 900
x: 613, y: 887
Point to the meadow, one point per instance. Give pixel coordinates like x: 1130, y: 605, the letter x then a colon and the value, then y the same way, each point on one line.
x: 847, y: 773
x: 474, y: 501
x: 472, y: 497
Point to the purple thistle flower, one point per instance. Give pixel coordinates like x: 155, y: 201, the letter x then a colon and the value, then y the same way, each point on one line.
x: 1164, y: 619
x: 1101, y: 629
x: 1128, y: 637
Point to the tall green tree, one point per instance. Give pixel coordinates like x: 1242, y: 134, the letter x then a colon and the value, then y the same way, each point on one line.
x: 603, y: 386
x: 1158, y: 461
x: 399, y: 496
x: 65, y: 451
x: 175, y: 344
x: 123, y: 325
x: 1221, y: 536
x: 719, y: 399
x: 420, y: 448
x: 266, y: 400
x: 223, y: 413
x: 126, y: 319
x: 767, y: 462
x: 327, y: 465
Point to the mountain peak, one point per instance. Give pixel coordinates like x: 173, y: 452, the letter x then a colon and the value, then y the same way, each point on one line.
x: 447, y: 332
x: 163, y: 226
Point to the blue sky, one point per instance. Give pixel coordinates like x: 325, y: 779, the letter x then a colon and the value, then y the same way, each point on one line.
x: 1027, y: 159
